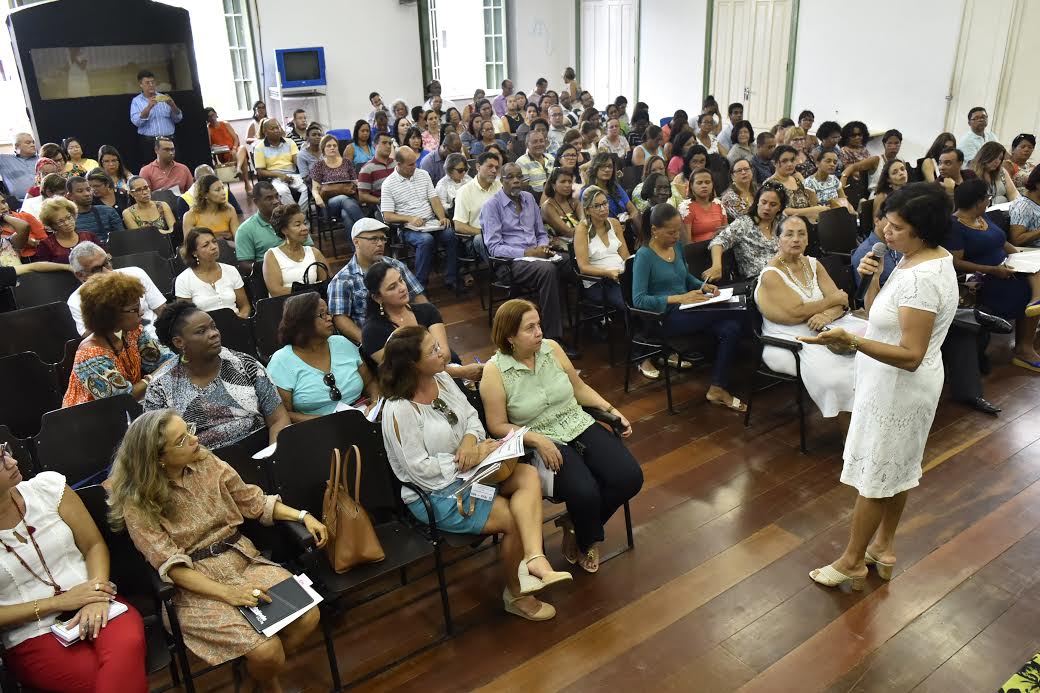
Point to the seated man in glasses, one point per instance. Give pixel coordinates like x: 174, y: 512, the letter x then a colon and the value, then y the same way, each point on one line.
x: 347, y: 292
x: 166, y: 173
x: 88, y: 259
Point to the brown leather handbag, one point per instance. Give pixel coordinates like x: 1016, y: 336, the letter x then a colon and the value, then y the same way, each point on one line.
x: 352, y: 540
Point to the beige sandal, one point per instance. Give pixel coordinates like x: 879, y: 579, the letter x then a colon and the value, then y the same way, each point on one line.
x: 589, y: 561
x: 830, y: 576
x: 544, y: 613
x: 569, y: 545
x: 552, y: 578
x: 884, y: 570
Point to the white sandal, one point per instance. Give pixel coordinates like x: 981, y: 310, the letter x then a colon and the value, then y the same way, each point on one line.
x: 552, y: 578
x: 648, y: 373
x: 545, y: 611
x: 830, y: 576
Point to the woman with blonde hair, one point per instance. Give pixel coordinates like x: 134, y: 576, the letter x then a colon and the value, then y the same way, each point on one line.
x: 600, y: 250
x: 211, y: 209
x: 183, y: 507
x: 988, y: 165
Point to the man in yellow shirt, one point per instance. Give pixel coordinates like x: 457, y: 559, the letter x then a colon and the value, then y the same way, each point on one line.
x: 275, y: 159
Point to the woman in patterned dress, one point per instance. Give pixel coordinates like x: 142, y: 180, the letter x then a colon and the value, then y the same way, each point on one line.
x: 182, y: 507
x: 118, y: 356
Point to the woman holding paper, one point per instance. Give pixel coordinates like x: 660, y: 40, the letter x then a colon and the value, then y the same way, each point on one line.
x: 56, y: 561
x: 432, y: 434
x: 980, y: 247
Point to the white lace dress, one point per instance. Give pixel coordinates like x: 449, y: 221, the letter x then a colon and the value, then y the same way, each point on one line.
x: 894, y: 408
x: 828, y: 377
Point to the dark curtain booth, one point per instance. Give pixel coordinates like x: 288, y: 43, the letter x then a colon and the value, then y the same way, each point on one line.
x: 78, y: 60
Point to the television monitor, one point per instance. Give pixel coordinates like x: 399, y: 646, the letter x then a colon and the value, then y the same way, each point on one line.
x: 301, y: 67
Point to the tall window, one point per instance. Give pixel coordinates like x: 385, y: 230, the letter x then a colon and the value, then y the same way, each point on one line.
x: 240, y: 45
x: 435, y: 44
x: 494, y: 43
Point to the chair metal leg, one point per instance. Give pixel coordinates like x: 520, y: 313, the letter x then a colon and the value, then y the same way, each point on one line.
x: 628, y: 363
x: 667, y: 379
x: 330, y: 651
x: 628, y: 526
x: 750, y: 399
x: 801, y: 416
x: 449, y: 626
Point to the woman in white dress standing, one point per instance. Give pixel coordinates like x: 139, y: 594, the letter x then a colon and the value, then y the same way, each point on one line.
x: 797, y: 298
x: 899, y: 375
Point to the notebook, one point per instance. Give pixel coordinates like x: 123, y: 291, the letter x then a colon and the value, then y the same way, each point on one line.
x: 70, y: 636
x: 290, y: 599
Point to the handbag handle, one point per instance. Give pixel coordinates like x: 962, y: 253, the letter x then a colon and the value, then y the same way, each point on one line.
x: 319, y: 265
x: 338, y: 469
x: 357, y: 473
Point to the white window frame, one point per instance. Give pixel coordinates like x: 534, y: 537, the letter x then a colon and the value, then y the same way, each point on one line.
x: 494, y: 70
x: 246, y: 89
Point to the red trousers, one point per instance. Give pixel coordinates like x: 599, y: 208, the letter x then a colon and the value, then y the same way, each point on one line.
x: 114, y: 662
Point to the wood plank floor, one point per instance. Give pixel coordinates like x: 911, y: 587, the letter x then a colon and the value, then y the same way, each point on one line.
x: 716, y: 597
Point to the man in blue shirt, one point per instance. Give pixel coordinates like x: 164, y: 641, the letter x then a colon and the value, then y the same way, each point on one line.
x: 153, y: 114
x: 19, y: 169
x: 101, y: 220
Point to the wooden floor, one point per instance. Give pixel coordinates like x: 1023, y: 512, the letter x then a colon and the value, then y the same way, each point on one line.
x: 716, y: 597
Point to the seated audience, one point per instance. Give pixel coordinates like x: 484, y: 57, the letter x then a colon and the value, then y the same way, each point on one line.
x: 89, y: 259
x: 1025, y: 213
x: 702, y: 212
x: 296, y: 129
x: 291, y: 261
x: 589, y: 138
x: 145, y: 211
x: 801, y: 201
x: 431, y: 135
x: 186, y: 200
x: 259, y: 116
x: 118, y: 355
x: 980, y: 247
x: 377, y: 107
x: 988, y: 166
x: 650, y: 146
x: 310, y: 152
x: 390, y: 307
x: 221, y: 134
x: 347, y: 293
x: 487, y: 138
x: 470, y: 199
x: 76, y: 165
x: 414, y: 140
x: 432, y: 433
x: 655, y: 191
x: 408, y: 198
x: 316, y: 369
x: 797, y: 298
x: 743, y: 147
x: 662, y: 283
x: 105, y: 192
x: 275, y: 160
x: 929, y: 164
x: 457, y: 175
x: 436, y: 163
x: 805, y: 122
x: 762, y: 161
x: 737, y: 198
x: 601, y: 174
x: 211, y: 210
x: 854, y: 157
x: 165, y: 173
x: 560, y: 211
x: 534, y: 165
x: 100, y: 220
x: 256, y: 235
x: 59, y: 215
x: 18, y: 170
x: 182, y: 506
x: 803, y: 163
x: 752, y: 237
x: 893, y: 176
x: 830, y: 136
x: 472, y: 132
x: 374, y: 172
x: 512, y: 228
x: 951, y: 171
x: 55, y: 157
x: 825, y: 185
x: 613, y: 142
x: 225, y: 394
x: 21, y: 228
x: 53, y: 185
x: 654, y: 164
x: 705, y: 135
x: 977, y: 135
x: 571, y: 159
x: 558, y: 127
x: 362, y: 147
x: 110, y: 655
x: 530, y: 381
x: 1018, y: 164
x: 209, y: 284
x: 600, y: 250
x: 334, y: 183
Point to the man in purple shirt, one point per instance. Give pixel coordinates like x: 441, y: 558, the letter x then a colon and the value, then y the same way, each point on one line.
x: 499, y: 104
x: 511, y: 223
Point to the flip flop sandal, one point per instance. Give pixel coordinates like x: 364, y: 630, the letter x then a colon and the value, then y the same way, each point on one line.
x: 570, y: 540
x: 1033, y: 309
x: 829, y: 576
x: 735, y: 404
x: 1028, y: 365
x: 589, y: 561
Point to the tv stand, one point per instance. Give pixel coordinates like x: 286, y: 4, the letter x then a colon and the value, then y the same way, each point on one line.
x: 314, y: 101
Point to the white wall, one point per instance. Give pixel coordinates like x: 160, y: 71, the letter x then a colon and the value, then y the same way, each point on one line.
x: 209, y: 34
x: 888, y: 64
x: 541, y: 42
x: 671, y: 47
x: 371, y: 46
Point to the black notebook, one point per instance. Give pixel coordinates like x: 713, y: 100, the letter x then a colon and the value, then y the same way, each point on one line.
x: 289, y: 601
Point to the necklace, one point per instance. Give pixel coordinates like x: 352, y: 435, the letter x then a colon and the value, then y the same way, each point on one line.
x: 805, y: 286
x: 50, y: 582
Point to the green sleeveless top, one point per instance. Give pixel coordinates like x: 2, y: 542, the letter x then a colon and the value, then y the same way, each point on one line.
x: 543, y: 398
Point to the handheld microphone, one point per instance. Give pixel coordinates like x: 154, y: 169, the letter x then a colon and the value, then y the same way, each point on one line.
x: 878, y: 251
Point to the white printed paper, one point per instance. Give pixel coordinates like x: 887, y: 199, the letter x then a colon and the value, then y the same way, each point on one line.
x: 725, y: 296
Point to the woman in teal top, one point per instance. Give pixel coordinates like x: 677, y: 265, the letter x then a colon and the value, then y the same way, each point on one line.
x: 361, y: 149
x: 316, y: 369
x: 531, y: 382
x: 662, y: 283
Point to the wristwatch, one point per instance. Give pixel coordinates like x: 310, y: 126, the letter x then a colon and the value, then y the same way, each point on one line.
x: 303, y: 514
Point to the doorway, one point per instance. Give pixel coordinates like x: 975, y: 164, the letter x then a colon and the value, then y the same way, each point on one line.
x: 608, y: 48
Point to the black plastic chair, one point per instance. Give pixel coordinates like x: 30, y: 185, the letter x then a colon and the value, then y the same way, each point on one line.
x: 841, y: 273
x: 81, y: 441
x: 255, y: 286
x: 40, y: 288
x: 143, y: 240
x: 500, y: 279
x: 837, y: 232
x: 764, y: 372
x: 32, y: 392
x: 21, y: 450
x: 698, y: 259
x: 265, y: 320
x: 630, y: 178
x: 866, y: 217
x: 240, y: 456
x: 587, y: 310
x: 154, y: 265
x: 43, y: 329
x: 235, y: 333
x: 227, y: 253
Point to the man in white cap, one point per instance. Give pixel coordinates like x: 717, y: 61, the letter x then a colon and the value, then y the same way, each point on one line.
x: 347, y: 292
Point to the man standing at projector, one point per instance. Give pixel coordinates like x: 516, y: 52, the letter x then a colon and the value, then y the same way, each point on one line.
x: 153, y: 114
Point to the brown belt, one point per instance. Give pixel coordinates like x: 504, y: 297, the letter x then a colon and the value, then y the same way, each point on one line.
x: 216, y: 548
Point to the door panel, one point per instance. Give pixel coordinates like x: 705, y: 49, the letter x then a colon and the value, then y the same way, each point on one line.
x: 608, y: 47
x: 985, y: 27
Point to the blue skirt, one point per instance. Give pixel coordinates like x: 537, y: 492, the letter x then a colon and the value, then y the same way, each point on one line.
x: 446, y: 511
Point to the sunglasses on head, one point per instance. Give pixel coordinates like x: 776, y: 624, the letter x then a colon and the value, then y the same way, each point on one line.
x: 330, y: 382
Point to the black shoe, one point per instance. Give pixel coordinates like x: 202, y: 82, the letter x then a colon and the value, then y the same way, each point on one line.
x: 983, y: 405
x: 993, y: 323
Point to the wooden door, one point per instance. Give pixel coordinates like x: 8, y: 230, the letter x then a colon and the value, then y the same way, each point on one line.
x: 608, y: 49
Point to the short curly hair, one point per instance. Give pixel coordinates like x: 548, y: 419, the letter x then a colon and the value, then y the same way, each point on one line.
x: 53, y: 207
x: 104, y: 297
x: 298, y: 318
x: 282, y: 215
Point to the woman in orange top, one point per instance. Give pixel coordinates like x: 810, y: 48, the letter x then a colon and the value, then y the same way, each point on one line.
x: 23, y: 229
x: 702, y: 213
x: 221, y: 134
x: 117, y: 356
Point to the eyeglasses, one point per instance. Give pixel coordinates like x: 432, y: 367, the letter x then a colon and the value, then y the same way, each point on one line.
x: 374, y: 239
x: 436, y: 350
x: 460, y: 169
x: 323, y: 315
x: 136, y: 310
x: 143, y: 188
x: 188, y: 433
x: 601, y: 205
x: 330, y: 382
x: 440, y: 406
x: 107, y: 264
x: 67, y: 219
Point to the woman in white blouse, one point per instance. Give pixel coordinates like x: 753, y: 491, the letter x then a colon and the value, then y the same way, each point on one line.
x: 56, y: 564
x: 432, y: 434
x: 209, y: 284
x: 288, y: 262
x: 455, y: 176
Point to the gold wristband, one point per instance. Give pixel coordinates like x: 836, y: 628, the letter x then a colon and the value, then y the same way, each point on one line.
x: 855, y: 343
x: 36, y: 609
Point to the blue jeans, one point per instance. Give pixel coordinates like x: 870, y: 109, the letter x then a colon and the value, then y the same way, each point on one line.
x: 608, y: 293
x: 726, y: 328
x: 425, y: 244
x: 347, y: 210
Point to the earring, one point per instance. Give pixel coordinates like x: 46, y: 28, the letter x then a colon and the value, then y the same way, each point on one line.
x: 184, y: 359
x: 382, y: 313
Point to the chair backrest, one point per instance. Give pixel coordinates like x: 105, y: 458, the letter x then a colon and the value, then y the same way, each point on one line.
x: 21, y: 450
x: 240, y: 456
x: 626, y: 280
x: 630, y: 177
x: 664, y: 121
x: 227, y: 253
x: 841, y: 273
x: 255, y: 286
x: 698, y: 257
x: 81, y: 441
x: 142, y: 240
x: 265, y: 321
x: 32, y: 392
x: 42, y: 329
x: 235, y: 333
x: 128, y: 568
x: 40, y: 288
x: 752, y: 307
x: 154, y: 265
x: 301, y: 462
x: 866, y: 217
x: 837, y: 231
x: 166, y: 196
